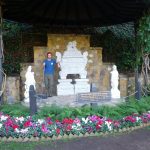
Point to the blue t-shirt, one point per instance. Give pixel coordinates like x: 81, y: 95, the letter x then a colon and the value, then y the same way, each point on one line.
x: 49, y: 66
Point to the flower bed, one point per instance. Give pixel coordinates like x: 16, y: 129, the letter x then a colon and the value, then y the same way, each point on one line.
x: 29, y: 127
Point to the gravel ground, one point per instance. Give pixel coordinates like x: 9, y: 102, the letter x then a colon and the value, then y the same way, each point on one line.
x: 136, y: 140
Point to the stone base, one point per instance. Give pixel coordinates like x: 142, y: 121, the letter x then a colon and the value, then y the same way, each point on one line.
x: 65, y: 87
x: 115, y: 94
x: 26, y: 100
x: 82, y: 86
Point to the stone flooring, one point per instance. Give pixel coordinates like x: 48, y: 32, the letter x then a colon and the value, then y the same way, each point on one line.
x: 72, y: 101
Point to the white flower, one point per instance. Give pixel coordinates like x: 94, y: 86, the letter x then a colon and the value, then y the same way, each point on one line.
x: 85, y: 120
x: 3, y: 118
x: 17, y: 130
x: 77, y: 126
x: 138, y: 118
x: 40, y: 121
x: 1, y: 125
x: 21, y: 119
x: 24, y: 130
x: 108, y: 123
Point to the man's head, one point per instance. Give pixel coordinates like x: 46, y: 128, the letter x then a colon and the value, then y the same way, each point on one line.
x: 49, y: 55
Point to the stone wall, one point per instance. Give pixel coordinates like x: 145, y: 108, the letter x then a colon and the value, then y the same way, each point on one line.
x: 12, y: 90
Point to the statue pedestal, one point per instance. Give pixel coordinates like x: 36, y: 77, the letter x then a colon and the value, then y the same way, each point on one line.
x: 82, y: 86
x: 26, y: 100
x: 65, y: 87
x: 115, y: 93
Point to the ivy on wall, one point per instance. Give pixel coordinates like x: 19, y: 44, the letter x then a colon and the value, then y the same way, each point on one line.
x: 14, y: 52
x: 144, y: 33
x: 143, y: 44
x: 116, y: 48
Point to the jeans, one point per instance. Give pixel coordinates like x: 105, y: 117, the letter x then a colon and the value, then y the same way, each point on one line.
x: 49, y: 82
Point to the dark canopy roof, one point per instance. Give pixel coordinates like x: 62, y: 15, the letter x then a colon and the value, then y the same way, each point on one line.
x: 74, y: 12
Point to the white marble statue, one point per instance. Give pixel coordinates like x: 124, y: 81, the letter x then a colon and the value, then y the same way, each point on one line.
x: 115, y: 93
x: 71, y: 50
x: 72, y: 61
x: 29, y: 81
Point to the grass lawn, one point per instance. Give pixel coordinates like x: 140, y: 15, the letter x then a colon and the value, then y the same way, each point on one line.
x: 23, y: 145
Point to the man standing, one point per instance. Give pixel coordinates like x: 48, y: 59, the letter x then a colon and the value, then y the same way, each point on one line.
x: 49, y: 68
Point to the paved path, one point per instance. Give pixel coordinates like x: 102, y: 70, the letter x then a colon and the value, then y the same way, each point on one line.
x: 72, y: 101
x: 136, y: 140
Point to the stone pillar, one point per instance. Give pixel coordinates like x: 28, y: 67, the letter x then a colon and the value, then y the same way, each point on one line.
x: 32, y: 97
x: 12, y: 89
x: 123, y: 85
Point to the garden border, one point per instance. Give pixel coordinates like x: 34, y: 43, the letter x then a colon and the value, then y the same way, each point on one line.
x: 71, y: 136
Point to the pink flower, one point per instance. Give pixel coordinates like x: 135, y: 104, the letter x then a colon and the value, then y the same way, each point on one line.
x: 76, y: 121
x: 9, y: 122
x: 116, y: 123
x: 44, y: 128
x: 144, y: 120
x: 148, y: 115
x: 94, y: 118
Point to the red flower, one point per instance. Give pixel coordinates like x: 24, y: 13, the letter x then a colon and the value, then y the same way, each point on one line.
x: 50, y: 122
x: 57, y: 121
x: 99, y: 124
x: 109, y: 120
x: 15, y: 126
x: 68, y: 121
x: 130, y: 118
x: 68, y: 128
x: 58, y: 131
x: 27, y: 123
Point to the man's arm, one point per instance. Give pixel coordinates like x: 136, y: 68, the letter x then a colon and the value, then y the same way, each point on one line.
x: 43, y: 64
x: 58, y: 64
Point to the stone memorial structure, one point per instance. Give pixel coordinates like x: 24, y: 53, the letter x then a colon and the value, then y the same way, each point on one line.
x: 98, y: 72
x: 115, y: 93
x: 72, y: 62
